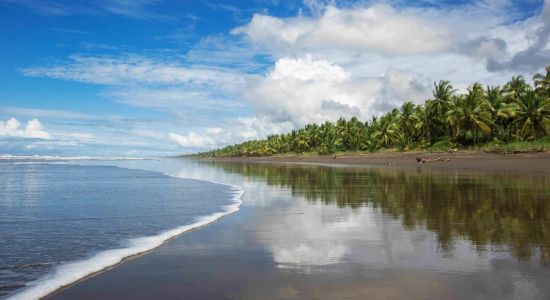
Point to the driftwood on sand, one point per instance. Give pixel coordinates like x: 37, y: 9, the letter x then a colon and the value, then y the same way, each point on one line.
x: 429, y: 159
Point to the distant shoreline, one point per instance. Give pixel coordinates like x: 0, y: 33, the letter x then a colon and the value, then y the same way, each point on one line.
x: 539, y: 161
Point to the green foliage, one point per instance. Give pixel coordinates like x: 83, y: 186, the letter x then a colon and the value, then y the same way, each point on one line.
x: 497, y: 146
x: 515, y: 113
x: 440, y: 146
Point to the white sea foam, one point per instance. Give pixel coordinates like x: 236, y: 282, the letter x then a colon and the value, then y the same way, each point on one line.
x: 72, y: 272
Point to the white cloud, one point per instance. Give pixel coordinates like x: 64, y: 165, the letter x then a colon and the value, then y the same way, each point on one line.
x: 154, y: 82
x: 131, y: 69
x: 296, y: 90
x: 214, y: 130
x: 305, y: 90
x: 51, y: 145
x: 33, y: 129
x: 46, y: 113
x: 378, y: 27
x: 537, y: 52
x: 483, y: 31
x: 83, y: 137
x: 147, y: 133
x: 192, y: 140
x: 197, y: 100
x: 137, y: 9
x: 257, y: 127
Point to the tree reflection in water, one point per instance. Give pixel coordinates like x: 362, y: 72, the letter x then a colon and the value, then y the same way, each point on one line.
x: 507, y: 210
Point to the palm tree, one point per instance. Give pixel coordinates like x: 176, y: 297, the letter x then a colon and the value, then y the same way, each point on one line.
x: 408, y: 121
x: 533, y: 115
x: 454, y: 115
x: 328, y: 138
x: 443, y: 91
x: 430, y: 120
x: 501, y: 112
x: 368, y: 142
x: 470, y: 114
x: 385, y: 130
x: 515, y: 88
x: 542, y: 82
x: 352, y: 134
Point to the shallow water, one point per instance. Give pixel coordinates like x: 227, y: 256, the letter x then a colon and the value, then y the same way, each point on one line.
x: 494, y: 213
x: 53, y: 214
x: 313, y: 232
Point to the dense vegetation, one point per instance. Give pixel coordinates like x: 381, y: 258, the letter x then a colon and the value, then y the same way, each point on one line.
x: 515, y: 112
x: 504, y: 210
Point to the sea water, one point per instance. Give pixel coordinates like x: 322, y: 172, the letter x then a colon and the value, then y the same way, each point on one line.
x: 60, y: 222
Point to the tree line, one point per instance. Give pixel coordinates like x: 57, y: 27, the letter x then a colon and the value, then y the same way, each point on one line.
x: 517, y: 111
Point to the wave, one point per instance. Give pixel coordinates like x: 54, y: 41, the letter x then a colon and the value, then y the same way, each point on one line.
x: 69, y: 273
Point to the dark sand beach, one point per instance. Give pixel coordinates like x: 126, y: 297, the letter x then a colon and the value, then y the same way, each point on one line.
x: 449, y: 161
x: 474, y: 227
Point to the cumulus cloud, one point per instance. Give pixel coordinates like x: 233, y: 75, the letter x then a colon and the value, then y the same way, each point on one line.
x: 33, y: 129
x: 537, y: 53
x: 296, y: 89
x: 397, y: 87
x: 304, y: 90
x: 485, y: 31
x: 379, y: 27
x: 484, y: 47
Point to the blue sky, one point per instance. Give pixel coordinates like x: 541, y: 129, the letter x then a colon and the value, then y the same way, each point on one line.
x: 154, y: 77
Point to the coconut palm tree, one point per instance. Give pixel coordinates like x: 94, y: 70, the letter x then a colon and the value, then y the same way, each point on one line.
x: 470, y: 114
x: 328, y: 139
x: 353, y: 134
x: 501, y: 112
x: 386, y: 130
x: 430, y: 120
x: 515, y: 88
x: 443, y: 91
x: 542, y: 82
x: 532, y: 115
x: 408, y: 121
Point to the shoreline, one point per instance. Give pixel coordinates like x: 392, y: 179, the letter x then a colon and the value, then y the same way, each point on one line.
x: 538, y: 161
x: 62, y: 277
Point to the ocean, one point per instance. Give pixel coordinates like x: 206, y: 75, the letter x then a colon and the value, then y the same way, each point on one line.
x: 63, y: 220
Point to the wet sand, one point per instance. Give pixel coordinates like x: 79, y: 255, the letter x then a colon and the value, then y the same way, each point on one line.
x: 291, y: 243
x: 449, y: 161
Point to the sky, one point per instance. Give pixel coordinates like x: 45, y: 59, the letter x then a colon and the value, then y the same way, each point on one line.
x: 149, y: 78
